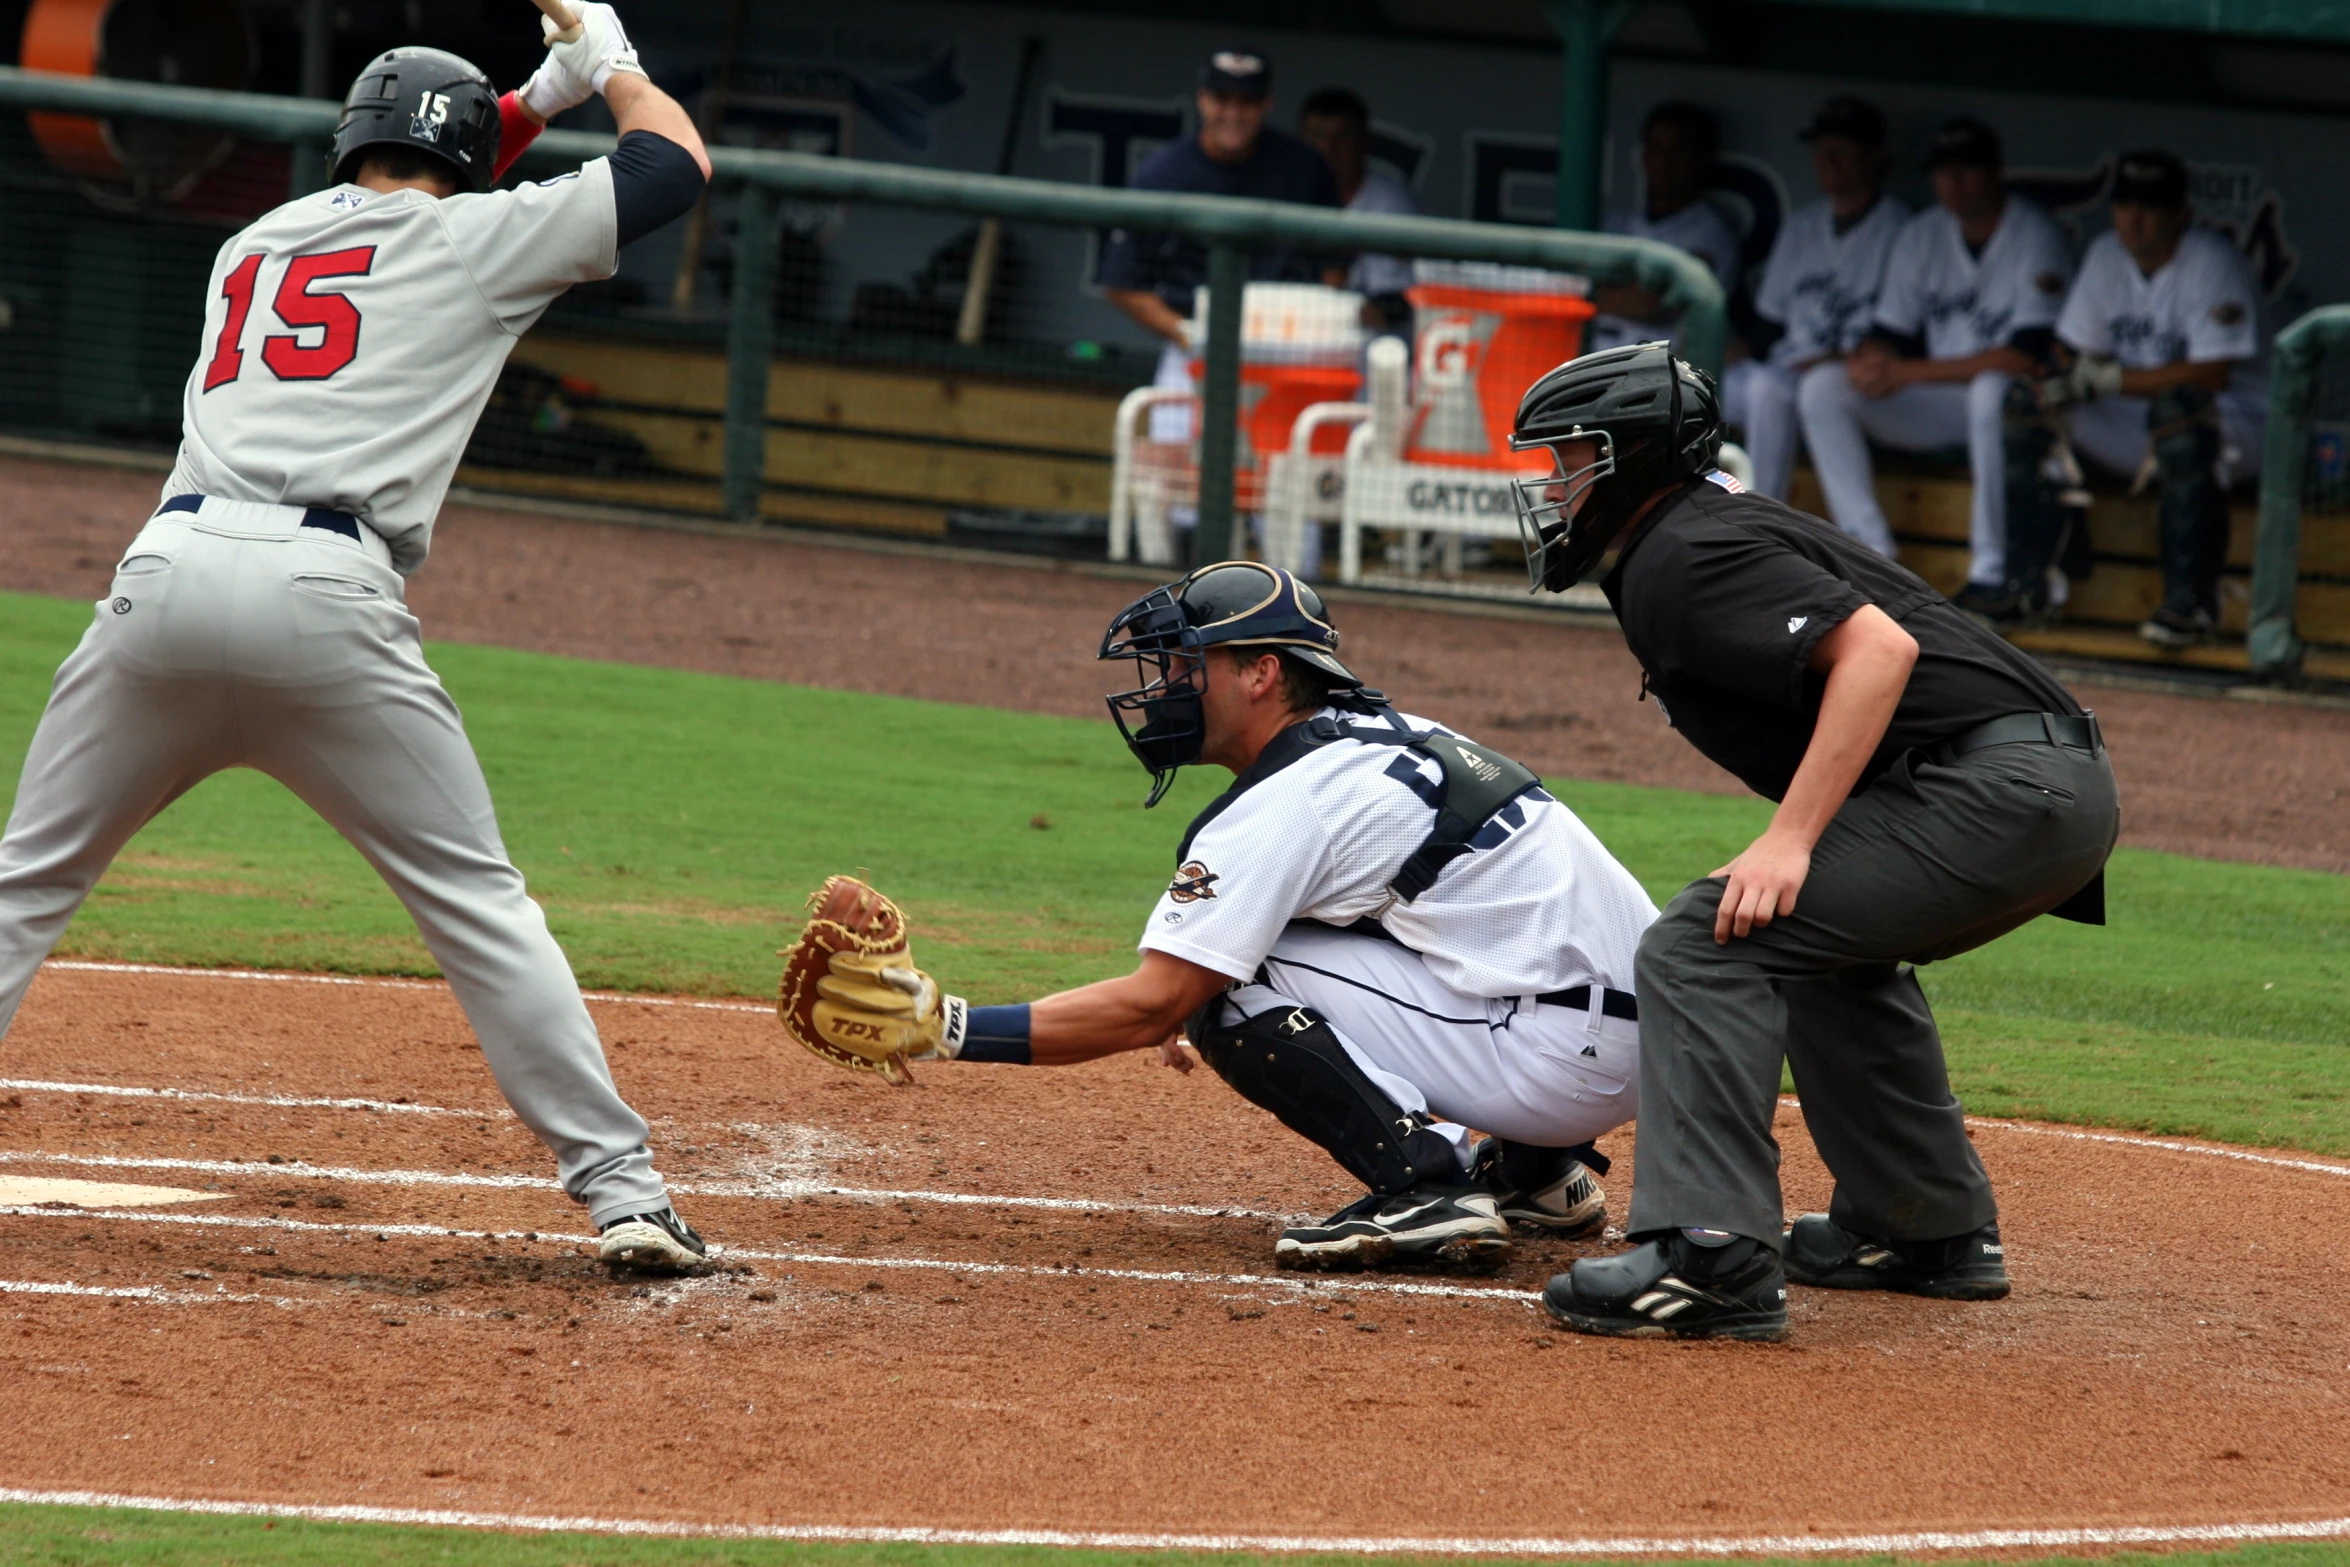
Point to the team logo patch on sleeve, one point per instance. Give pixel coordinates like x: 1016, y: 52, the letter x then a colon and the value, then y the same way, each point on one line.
x: 1193, y: 882
x: 2049, y: 282
x: 2227, y: 312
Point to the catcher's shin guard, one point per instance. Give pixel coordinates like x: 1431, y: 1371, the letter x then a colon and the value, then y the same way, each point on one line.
x: 1289, y: 1061
x: 2183, y: 428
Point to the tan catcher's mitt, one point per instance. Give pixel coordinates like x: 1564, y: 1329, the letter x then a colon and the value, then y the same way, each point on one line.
x: 852, y: 994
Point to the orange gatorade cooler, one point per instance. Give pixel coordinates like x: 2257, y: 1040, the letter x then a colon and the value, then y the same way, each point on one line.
x: 1486, y: 333
x: 1300, y: 344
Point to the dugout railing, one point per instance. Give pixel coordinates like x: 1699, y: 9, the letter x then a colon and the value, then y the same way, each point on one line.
x: 762, y: 183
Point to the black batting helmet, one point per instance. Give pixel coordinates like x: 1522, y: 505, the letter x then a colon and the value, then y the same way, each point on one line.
x: 1167, y: 633
x: 425, y: 99
x: 1652, y: 419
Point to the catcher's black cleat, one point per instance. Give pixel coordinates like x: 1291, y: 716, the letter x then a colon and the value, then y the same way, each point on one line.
x: 1565, y: 1199
x: 658, y: 1242
x: 1424, y: 1225
x: 1825, y: 1255
x: 1671, y: 1287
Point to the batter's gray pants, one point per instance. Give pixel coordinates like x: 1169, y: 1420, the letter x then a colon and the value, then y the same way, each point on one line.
x: 295, y: 656
x: 1932, y: 860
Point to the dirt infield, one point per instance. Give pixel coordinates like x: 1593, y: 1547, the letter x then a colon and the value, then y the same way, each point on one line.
x: 2225, y: 780
x: 1041, y: 1300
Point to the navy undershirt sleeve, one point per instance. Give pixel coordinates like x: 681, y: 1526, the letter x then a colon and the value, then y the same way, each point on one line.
x: 654, y: 181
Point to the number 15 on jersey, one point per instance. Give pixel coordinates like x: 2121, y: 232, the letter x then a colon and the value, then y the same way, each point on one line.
x: 325, y: 335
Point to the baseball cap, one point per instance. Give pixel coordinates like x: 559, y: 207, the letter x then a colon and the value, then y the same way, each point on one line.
x: 2150, y: 178
x: 1241, y: 72
x: 1854, y: 119
x: 1964, y: 140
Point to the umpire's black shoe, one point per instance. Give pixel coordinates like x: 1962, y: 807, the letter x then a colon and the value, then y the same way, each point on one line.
x: 1825, y: 1255
x: 1671, y: 1288
x: 658, y: 1242
x: 1424, y: 1225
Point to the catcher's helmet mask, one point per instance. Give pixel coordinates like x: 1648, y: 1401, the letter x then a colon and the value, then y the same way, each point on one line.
x: 1656, y: 421
x: 426, y: 100
x: 1167, y: 633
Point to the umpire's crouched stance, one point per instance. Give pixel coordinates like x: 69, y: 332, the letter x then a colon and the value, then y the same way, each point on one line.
x: 1936, y: 789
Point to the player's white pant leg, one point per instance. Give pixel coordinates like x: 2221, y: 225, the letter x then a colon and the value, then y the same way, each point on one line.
x: 1547, y: 1075
x: 1759, y: 398
x: 1986, y: 440
x: 2111, y: 433
x: 123, y: 736
x: 1830, y: 411
x: 339, y: 705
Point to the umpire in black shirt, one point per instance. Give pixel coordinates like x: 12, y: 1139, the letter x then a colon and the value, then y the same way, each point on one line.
x: 1936, y: 789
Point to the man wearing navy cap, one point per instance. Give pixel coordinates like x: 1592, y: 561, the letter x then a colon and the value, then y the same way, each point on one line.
x: 1151, y: 275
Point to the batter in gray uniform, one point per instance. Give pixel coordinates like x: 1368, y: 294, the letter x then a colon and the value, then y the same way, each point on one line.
x: 257, y: 620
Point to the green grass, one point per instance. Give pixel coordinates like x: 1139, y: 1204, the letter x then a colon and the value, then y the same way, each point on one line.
x: 93, y: 1537
x: 672, y: 823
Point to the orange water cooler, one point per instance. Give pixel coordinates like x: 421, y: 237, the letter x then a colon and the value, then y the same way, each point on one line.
x: 1485, y: 334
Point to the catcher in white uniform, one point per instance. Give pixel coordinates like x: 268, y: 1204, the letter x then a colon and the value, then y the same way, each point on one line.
x: 1383, y: 933
x: 257, y: 620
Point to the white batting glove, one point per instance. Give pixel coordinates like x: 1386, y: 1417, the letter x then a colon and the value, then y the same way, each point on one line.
x: 601, y: 48
x: 552, y: 89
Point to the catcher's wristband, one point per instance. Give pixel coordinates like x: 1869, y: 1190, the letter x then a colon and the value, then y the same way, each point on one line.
x: 993, y: 1033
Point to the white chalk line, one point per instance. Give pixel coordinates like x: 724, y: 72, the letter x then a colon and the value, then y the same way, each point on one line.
x: 2116, y: 1139
x: 147, y: 1293
x: 811, y: 1259
x: 37, y: 1085
x: 79, y: 966
x: 1121, y: 1540
x: 773, y: 1191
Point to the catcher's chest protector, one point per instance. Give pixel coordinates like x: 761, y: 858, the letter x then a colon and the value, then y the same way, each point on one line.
x: 1477, y: 783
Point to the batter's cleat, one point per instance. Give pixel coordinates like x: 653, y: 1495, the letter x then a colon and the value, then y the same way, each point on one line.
x: 1668, y: 1288
x: 1425, y: 1225
x: 658, y: 1242
x: 1825, y: 1255
x: 1572, y: 1207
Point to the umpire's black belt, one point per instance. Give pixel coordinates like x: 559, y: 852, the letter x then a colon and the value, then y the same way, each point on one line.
x: 2074, y: 733
x: 326, y: 517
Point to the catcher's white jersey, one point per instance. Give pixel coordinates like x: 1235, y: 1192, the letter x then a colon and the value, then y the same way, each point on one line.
x: 1821, y: 285
x: 1964, y: 304
x: 2201, y: 308
x: 352, y: 337
x: 1538, y: 905
x: 1701, y: 230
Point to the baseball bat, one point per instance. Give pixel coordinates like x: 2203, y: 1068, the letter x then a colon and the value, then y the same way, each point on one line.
x: 566, y: 25
x: 979, y: 280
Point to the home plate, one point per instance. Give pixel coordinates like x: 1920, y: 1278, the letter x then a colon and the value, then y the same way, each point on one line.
x: 26, y: 1191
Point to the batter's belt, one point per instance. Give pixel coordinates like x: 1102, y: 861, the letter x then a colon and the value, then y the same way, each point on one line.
x: 264, y: 520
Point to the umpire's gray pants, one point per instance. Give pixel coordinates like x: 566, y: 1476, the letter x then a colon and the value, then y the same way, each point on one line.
x: 294, y: 655
x: 1932, y: 860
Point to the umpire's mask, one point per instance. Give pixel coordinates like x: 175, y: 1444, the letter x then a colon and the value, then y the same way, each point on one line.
x: 1167, y: 633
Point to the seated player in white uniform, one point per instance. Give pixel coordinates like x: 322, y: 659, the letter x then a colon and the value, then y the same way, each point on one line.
x: 257, y: 620
x: 1969, y: 302
x: 1383, y: 933
x: 1678, y: 142
x: 1819, y: 287
x: 2163, y: 336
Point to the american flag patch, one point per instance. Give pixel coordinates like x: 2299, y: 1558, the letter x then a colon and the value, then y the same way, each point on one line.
x: 1727, y: 481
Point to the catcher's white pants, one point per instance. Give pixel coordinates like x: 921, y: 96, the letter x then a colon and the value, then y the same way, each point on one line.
x: 1759, y: 398
x: 289, y: 650
x: 1532, y: 1072
x: 2111, y: 432
x: 1839, y: 423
